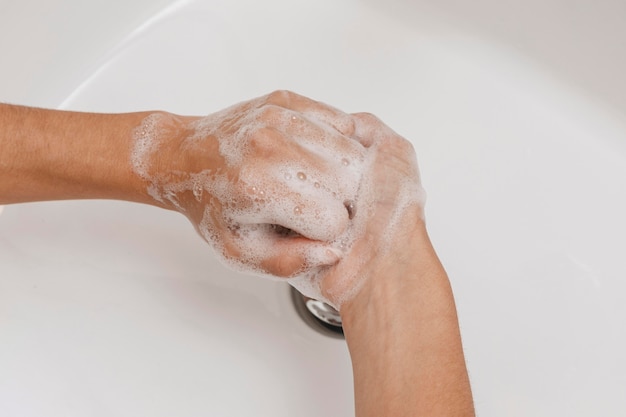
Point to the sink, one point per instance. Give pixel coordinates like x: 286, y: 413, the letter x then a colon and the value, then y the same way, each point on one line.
x: 113, y: 308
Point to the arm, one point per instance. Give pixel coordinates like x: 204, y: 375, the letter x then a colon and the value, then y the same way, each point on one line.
x: 403, y: 336
x: 55, y: 155
x: 394, y: 296
x: 258, y: 180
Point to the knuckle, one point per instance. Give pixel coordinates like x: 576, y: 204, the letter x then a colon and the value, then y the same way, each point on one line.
x: 270, y: 113
x: 368, y: 118
x: 281, y: 97
x: 263, y: 141
x: 350, y: 127
x: 345, y: 124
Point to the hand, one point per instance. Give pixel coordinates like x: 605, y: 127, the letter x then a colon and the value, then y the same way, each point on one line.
x: 389, y: 208
x: 269, y: 183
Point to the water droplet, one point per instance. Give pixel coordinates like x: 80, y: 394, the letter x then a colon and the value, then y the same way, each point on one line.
x: 301, y: 176
x: 294, y: 118
x: 297, y: 210
x: 317, y: 184
x: 345, y: 162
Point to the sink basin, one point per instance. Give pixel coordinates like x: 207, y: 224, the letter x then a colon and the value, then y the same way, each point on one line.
x: 118, y: 309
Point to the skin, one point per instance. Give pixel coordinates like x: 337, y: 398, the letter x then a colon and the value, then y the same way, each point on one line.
x: 400, y: 320
x: 401, y: 327
x: 55, y: 155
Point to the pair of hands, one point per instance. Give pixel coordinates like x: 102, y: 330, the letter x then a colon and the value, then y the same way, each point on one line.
x: 285, y: 186
x: 282, y: 186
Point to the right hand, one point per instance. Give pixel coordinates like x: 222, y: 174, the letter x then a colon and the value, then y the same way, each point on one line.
x: 389, y: 213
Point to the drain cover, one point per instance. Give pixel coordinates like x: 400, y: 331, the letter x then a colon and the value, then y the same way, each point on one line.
x: 318, y: 315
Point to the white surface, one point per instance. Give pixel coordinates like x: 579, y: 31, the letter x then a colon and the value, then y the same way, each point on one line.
x: 109, y: 308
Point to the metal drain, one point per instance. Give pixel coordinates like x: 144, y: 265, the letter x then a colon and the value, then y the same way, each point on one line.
x: 318, y: 315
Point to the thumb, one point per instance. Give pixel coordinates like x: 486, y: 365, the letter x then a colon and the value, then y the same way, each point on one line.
x: 262, y: 249
x: 290, y: 256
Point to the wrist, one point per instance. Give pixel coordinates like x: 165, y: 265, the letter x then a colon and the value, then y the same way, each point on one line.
x: 158, y: 156
x: 406, y: 282
x: 391, y: 272
x: 404, y: 341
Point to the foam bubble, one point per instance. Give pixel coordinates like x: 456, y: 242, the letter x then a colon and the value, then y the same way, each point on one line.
x: 198, y: 190
x: 146, y: 142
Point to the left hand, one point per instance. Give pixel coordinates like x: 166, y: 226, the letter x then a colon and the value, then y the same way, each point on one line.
x: 266, y: 182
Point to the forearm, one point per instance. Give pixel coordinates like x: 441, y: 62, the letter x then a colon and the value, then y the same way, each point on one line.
x: 55, y: 155
x: 404, y: 340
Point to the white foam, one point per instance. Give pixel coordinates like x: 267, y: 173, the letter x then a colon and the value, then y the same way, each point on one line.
x: 146, y: 143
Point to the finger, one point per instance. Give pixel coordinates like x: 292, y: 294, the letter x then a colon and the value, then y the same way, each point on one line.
x: 392, y: 148
x: 315, y: 218
x: 262, y: 249
x: 315, y: 213
x: 287, y: 184
x: 344, y: 279
x: 322, y: 139
x: 332, y: 162
x: 306, y: 194
x: 296, y: 126
x: 369, y: 129
x: 322, y: 112
x: 293, y: 256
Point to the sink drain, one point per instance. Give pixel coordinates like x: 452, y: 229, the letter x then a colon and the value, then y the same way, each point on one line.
x: 318, y: 315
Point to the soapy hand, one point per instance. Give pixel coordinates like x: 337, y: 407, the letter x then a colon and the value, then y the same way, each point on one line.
x: 390, y: 202
x: 270, y: 183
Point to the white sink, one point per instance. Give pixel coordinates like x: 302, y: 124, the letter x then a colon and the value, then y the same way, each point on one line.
x: 118, y: 309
